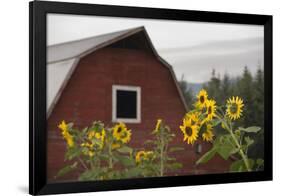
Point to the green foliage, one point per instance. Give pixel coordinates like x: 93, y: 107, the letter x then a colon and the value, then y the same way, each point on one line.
x: 175, y: 149
x: 125, y: 149
x: 233, y: 143
x: 66, y: 169
x: 225, y: 146
x: 239, y: 166
x: 233, y: 140
x: 252, y: 129
x: 97, y: 150
x: 251, y: 88
x: 161, y: 162
x: 103, y: 153
x: 207, y: 156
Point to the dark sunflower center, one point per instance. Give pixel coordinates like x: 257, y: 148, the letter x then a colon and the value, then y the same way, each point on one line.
x: 233, y: 108
x: 210, y: 110
x: 188, y: 131
x: 119, y: 130
x: 202, y: 99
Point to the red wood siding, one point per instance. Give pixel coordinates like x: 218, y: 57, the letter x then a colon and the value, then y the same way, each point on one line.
x: 88, y: 97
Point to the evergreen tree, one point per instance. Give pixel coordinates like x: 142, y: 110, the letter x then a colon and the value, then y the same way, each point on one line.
x: 244, y: 89
x: 213, y: 87
x: 226, y: 87
x: 187, y: 92
x: 251, y: 90
x: 257, y: 149
x: 259, y: 97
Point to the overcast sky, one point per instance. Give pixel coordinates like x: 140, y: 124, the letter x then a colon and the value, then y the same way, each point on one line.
x: 192, y: 48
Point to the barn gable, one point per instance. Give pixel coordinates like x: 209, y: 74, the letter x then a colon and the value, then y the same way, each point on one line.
x: 63, y: 58
x: 137, y: 41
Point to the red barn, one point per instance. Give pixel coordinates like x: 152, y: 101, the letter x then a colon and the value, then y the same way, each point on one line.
x: 116, y: 77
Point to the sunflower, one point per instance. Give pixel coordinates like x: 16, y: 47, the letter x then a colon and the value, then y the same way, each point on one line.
x: 121, y: 133
x: 139, y: 156
x: 115, y: 145
x: 202, y: 98
x: 190, y: 132
x: 234, y: 108
x: 208, y: 133
x: 210, y: 109
x: 157, y: 127
x: 98, y: 136
x: 87, y: 151
x: 87, y: 144
x: 69, y: 139
x: 194, y: 116
x: 91, y: 147
x: 65, y: 134
x: 91, y: 153
x: 144, y: 156
x: 63, y: 126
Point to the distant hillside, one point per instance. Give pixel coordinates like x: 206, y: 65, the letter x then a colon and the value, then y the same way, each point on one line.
x: 196, y: 87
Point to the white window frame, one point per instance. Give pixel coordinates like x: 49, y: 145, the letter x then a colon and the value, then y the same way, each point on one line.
x: 136, y: 89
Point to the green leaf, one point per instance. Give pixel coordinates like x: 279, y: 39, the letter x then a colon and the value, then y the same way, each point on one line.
x: 207, y: 156
x: 171, y: 159
x: 70, y: 125
x: 114, y: 174
x: 215, y: 122
x: 126, y: 161
x: 149, y: 142
x: 66, y: 170
x: 89, y: 175
x: 239, y: 166
x: 225, y: 151
x: 84, y: 130
x: 225, y: 146
x: 260, y: 162
x: 174, y: 166
x: 133, y: 172
x: 174, y: 149
x: 104, y: 156
x: 94, y: 174
x: 125, y: 149
x: 234, y: 150
x: 72, y: 153
x: 249, y: 141
x: 252, y: 129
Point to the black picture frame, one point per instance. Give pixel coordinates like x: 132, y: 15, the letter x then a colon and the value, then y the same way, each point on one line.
x: 37, y: 101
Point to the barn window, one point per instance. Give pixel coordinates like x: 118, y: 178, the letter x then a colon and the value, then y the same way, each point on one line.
x: 126, y: 104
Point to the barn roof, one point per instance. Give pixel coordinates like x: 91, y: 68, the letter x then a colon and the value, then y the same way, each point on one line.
x: 76, y: 48
x: 63, y: 58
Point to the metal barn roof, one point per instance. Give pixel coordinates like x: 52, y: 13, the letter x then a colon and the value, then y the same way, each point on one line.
x: 76, y: 48
x: 63, y: 58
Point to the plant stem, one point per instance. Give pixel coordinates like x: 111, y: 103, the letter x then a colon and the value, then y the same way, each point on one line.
x: 161, y: 153
x: 83, y: 164
x: 161, y: 161
x: 241, y: 152
x: 110, y: 161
